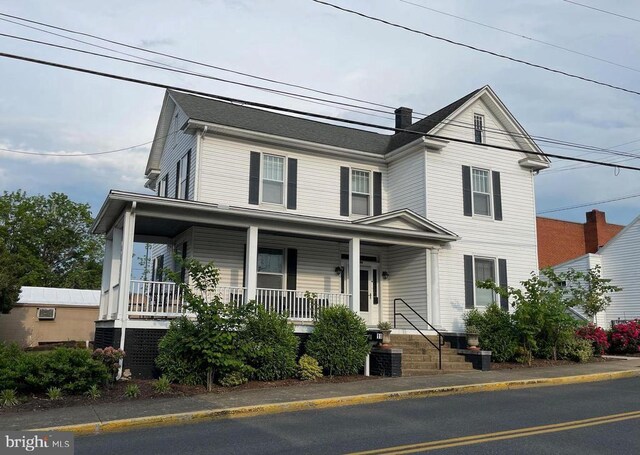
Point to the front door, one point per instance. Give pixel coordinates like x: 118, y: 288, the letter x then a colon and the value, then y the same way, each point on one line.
x: 369, y: 295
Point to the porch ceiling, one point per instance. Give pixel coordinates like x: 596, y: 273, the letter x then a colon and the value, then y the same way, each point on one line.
x: 166, y: 217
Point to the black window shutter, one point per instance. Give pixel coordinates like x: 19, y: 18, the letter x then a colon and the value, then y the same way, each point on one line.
x: 497, y: 196
x: 183, y: 270
x: 254, y: 178
x: 186, y: 189
x: 344, y: 191
x: 159, y: 268
x: 502, y: 279
x: 469, y: 285
x: 292, y: 183
x: 377, y: 193
x: 466, y: 190
x: 177, y: 179
x: 292, y: 268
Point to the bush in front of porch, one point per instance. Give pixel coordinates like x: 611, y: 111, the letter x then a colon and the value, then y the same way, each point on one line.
x: 339, y: 341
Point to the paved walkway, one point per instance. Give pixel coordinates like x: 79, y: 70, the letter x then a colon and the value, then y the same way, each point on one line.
x: 303, y: 391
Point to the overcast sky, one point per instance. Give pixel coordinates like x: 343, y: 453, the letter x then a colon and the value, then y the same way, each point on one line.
x: 57, y: 111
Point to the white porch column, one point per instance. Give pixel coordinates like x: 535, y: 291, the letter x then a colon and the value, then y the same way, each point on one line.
x: 128, y: 232
x: 106, y: 279
x: 434, y: 281
x: 251, y: 263
x: 354, y: 274
x: 116, y: 260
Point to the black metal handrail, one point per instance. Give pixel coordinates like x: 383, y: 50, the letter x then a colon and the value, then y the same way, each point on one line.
x: 440, y: 336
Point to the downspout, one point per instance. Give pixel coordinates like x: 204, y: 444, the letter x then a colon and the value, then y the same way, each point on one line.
x: 125, y: 306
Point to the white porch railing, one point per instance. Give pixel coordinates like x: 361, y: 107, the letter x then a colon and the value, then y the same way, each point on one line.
x: 163, y: 299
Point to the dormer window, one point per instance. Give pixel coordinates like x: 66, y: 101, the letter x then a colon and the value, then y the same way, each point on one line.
x: 478, y: 128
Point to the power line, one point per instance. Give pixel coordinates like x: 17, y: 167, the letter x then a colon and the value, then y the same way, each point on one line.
x: 588, y: 204
x: 603, y: 11
x: 298, y: 112
x: 478, y: 49
x: 313, y: 100
x: 75, y: 155
x: 519, y: 35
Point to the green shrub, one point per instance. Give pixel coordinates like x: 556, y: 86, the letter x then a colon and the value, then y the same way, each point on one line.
x: 339, y: 341
x: 234, y: 379
x: 10, y: 357
x: 576, y: 349
x: 93, y: 392
x: 496, y: 331
x: 132, y: 391
x: 162, y: 385
x: 8, y: 398
x: 308, y: 368
x: 270, y: 346
x: 54, y: 393
x: 175, y: 359
x: 72, y: 370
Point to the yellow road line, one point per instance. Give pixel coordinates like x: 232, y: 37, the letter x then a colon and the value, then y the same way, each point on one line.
x: 501, y: 435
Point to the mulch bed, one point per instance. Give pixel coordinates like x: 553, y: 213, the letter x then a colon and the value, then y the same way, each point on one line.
x: 115, y: 393
x: 537, y: 363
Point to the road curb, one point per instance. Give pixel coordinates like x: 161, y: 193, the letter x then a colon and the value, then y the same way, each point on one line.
x: 321, y: 403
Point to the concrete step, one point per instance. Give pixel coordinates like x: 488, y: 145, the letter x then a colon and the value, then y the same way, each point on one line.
x: 431, y: 358
x: 433, y: 364
x: 410, y: 372
x: 426, y: 350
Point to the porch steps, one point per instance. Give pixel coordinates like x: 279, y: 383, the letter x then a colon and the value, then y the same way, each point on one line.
x: 420, y: 358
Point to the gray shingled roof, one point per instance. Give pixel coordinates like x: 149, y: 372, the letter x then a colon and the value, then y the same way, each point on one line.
x: 248, y: 118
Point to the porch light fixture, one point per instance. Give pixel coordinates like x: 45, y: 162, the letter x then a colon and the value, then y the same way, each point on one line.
x: 385, y: 275
x: 339, y: 270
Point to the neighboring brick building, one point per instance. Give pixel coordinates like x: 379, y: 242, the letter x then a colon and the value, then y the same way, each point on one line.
x: 560, y: 241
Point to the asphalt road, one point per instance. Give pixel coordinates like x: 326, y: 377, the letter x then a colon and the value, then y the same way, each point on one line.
x: 599, y: 418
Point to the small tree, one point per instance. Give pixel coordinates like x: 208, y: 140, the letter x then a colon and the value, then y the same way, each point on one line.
x: 589, y: 291
x: 217, y: 323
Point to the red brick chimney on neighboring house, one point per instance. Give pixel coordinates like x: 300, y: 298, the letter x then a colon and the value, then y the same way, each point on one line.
x: 560, y: 241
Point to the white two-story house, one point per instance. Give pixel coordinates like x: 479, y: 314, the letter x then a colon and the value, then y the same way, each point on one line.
x: 283, y: 205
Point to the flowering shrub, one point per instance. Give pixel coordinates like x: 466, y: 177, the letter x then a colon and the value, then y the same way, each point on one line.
x: 625, y: 337
x: 110, y: 357
x: 597, y: 336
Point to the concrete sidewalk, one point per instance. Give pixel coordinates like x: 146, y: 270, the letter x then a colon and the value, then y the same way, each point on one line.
x: 326, y: 394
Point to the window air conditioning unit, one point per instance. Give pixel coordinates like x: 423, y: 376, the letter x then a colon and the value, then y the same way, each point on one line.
x: 46, y: 313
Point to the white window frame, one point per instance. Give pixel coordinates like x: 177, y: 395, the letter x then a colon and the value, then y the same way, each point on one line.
x: 490, y: 193
x: 285, y: 165
x: 477, y: 116
x: 369, y: 194
x: 184, y: 175
x: 162, y: 186
x: 283, y: 274
x: 475, y: 280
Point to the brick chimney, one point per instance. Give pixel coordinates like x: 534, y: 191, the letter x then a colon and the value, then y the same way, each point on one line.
x: 404, y: 117
x: 594, y: 231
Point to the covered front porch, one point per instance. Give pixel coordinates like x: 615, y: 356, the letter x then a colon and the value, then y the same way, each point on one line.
x: 290, y: 264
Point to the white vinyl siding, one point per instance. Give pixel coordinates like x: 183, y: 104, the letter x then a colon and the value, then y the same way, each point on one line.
x: 360, y: 192
x: 273, y: 179
x: 171, y: 155
x: 408, y: 280
x: 513, y: 239
x: 225, y: 176
x: 407, y: 183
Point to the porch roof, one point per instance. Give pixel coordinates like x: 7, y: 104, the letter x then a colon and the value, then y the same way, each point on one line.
x: 161, y: 217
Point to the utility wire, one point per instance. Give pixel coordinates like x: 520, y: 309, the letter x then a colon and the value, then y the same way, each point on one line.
x: 588, y: 204
x: 298, y: 112
x: 75, y: 155
x: 519, y: 35
x: 478, y: 49
x: 603, y: 11
x: 455, y: 123
x: 488, y: 131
